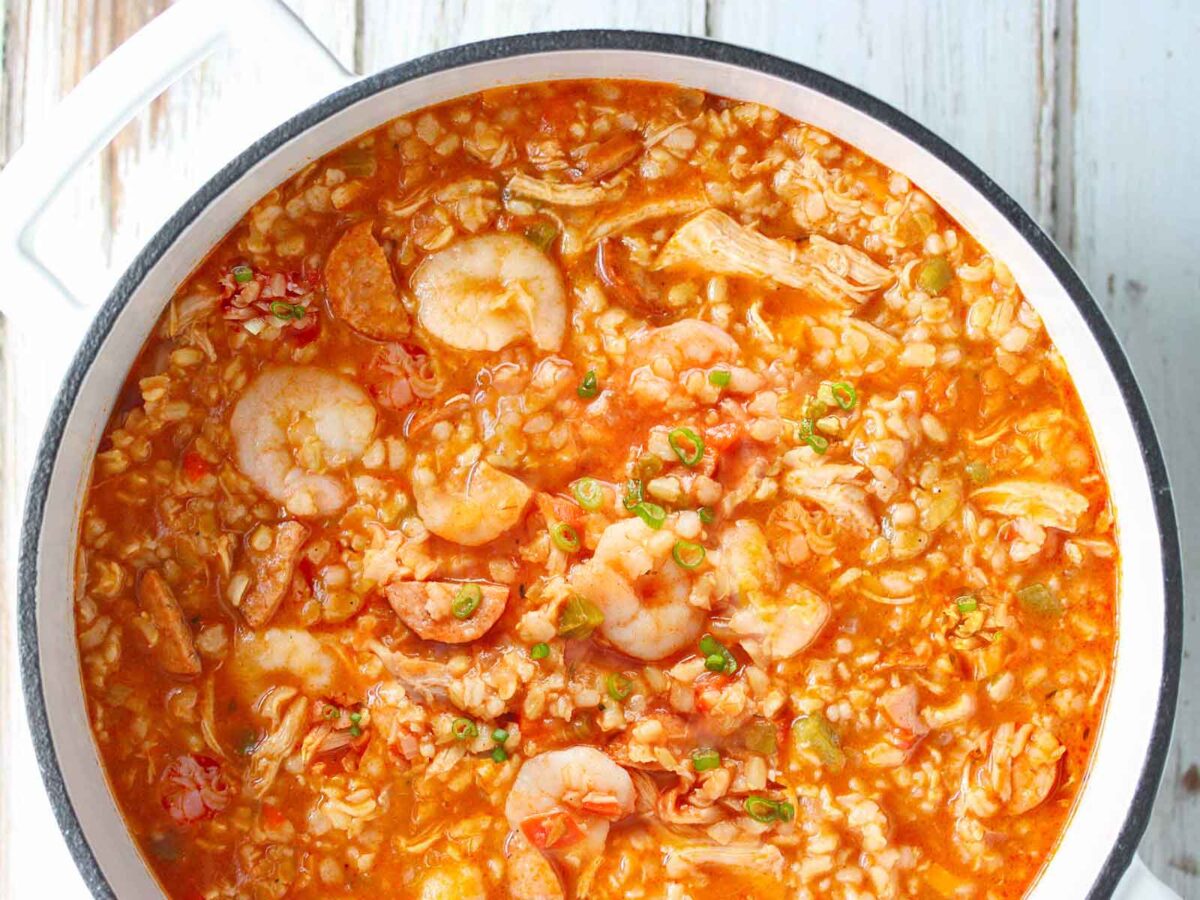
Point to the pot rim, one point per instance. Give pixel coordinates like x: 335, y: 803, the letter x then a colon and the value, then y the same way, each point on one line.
x: 1138, y: 815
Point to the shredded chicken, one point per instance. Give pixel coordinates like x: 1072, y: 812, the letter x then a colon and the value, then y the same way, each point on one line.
x: 558, y: 193
x: 1047, y: 504
x: 714, y: 242
x: 272, y: 750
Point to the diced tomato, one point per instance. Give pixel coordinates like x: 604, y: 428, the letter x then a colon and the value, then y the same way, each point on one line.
x: 305, y: 331
x: 195, y: 466
x: 552, y: 830
x: 194, y: 789
x: 559, y: 509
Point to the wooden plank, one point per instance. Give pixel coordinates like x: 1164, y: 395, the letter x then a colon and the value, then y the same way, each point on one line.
x: 1135, y: 206
x: 972, y: 72
x: 394, y: 32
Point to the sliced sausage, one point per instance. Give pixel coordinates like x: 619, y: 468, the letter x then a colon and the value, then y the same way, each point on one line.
x: 428, y: 608
x: 361, y: 289
x: 175, y: 648
x: 271, y: 572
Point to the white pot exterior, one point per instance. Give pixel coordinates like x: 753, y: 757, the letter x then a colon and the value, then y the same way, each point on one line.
x: 1143, y: 664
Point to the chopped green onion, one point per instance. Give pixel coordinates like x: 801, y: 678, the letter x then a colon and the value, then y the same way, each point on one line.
x: 844, y: 394
x: 588, y: 388
x: 565, y: 537
x: 706, y: 514
x: 633, y: 493
x: 688, y: 445
x: 588, y: 493
x: 463, y: 729
x: 355, y: 718
x: 332, y: 712
x: 705, y: 758
x: 762, y: 809
x: 818, y: 442
x: 717, y: 657
x: 541, y: 234
x: 967, y: 604
x: 761, y: 738
x: 539, y: 651
x: 579, y: 618
x: 500, y: 735
x: 978, y: 472
x: 720, y: 377
x: 1037, y: 598
x: 466, y: 601
x: 285, y: 311
x: 687, y: 554
x: 242, y: 274
x: 813, y: 732
x: 651, y: 513
x: 935, y: 275
x: 499, y: 754
x: 355, y: 731
x: 618, y: 686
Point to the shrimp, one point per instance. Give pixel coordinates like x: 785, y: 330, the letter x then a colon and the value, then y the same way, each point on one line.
x: 652, y: 606
x: 564, y: 800
x: 529, y: 874
x: 291, y: 425
x: 470, y: 506
x: 665, y: 358
x: 454, y: 881
x: 362, y: 291
x: 427, y: 608
x: 770, y: 625
x: 688, y: 343
x: 486, y: 292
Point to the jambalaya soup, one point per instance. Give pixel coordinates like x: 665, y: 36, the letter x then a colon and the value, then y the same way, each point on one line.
x: 597, y: 489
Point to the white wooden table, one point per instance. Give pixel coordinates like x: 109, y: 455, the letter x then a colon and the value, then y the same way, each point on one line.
x: 1085, y: 112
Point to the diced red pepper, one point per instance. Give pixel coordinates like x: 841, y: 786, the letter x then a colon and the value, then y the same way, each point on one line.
x: 195, y: 466
x: 552, y: 830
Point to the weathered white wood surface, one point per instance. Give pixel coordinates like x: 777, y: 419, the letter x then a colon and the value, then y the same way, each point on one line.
x: 1084, y: 112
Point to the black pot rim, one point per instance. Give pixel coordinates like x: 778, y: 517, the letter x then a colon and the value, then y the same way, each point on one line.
x: 605, y: 39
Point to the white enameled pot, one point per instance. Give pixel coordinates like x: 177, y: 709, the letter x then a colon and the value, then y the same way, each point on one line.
x: 1097, y: 849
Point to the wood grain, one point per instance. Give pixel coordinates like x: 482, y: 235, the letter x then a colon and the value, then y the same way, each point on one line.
x: 1085, y: 112
x: 1135, y: 209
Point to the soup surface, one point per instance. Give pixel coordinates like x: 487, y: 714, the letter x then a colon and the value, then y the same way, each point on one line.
x: 597, y: 489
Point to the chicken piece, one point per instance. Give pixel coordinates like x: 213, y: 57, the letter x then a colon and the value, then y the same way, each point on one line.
x: 714, y: 242
x: 433, y: 608
x: 271, y: 572
x: 634, y: 213
x: 361, y: 289
x: 175, y: 647
x: 757, y: 857
x: 1046, y: 504
x: 557, y: 193
x: 272, y: 750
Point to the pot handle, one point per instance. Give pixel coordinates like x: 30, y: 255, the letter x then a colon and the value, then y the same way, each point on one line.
x: 1140, y: 883
x: 124, y: 83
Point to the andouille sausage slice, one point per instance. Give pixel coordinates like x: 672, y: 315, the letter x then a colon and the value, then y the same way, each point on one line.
x: 448, y: 611
x: 271, y: 572
x: 175, y: 648
x: 362, y: 291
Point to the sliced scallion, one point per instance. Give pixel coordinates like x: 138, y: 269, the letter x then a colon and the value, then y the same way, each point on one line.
x: 539, y: 651
x: 651, y: 513
x: 565, y: 537
x: 588, y: 493
x: 464, y: 729
x: 687, y: 554
x: 589, y: 387
x: 720, y: 377
x: 688, y: 445
x: 844, y: 394
x: 705, y: 758
x: 466, y: 601
x: 618, y: 686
